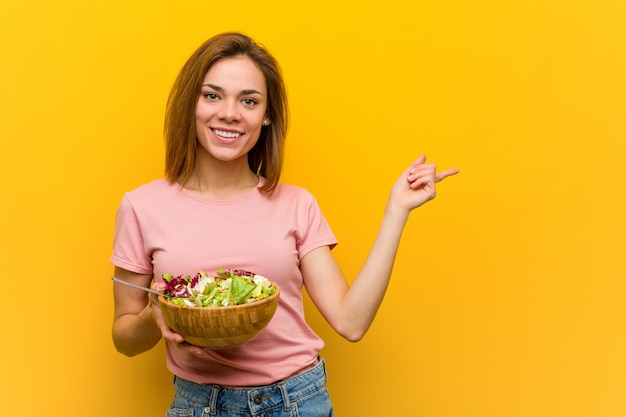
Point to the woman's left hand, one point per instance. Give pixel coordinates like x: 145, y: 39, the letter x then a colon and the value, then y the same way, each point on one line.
x: 416, y: 185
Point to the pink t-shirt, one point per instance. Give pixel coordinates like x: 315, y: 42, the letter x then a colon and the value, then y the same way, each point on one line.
x: 164, y: 228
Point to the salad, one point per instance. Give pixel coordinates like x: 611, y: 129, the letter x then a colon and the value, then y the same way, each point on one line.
x: 227, y: 288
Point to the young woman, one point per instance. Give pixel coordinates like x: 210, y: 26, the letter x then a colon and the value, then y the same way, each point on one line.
x: 221, y: 205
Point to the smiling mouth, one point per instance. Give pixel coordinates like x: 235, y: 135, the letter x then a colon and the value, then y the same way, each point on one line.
x: 227, y: 135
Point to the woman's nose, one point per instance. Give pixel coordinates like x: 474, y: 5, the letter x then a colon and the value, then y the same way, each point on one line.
x: 229, y: 111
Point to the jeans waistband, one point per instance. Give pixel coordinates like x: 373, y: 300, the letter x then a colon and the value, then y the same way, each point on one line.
x: 255, y: 399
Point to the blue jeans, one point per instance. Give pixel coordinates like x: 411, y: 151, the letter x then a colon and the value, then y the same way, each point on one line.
x: 303, y: 395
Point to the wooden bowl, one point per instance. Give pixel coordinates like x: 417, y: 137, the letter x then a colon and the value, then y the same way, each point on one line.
x: 220, y: 327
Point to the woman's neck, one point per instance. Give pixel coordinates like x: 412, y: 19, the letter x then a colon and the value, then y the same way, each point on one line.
x: 222, y: 180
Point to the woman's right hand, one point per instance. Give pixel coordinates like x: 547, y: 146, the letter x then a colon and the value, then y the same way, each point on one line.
x: 167, y: 333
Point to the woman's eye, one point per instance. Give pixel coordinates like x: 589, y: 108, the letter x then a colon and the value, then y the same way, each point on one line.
x: 249, y: 102
x: 211, y: 96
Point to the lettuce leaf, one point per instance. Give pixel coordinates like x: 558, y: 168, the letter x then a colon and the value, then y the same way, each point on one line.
x: 240, y: 288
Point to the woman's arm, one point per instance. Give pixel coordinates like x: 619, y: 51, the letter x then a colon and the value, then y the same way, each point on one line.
x: 350, y: 310
x: 134, y: 328
x: 138, y: 324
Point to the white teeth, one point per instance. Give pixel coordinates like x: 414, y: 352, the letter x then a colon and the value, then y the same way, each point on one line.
x: 229, y: 135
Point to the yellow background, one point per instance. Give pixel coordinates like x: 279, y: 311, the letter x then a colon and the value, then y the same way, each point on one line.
x: 508, y: 297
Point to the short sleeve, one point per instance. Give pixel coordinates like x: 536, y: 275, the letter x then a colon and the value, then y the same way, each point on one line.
x: 314, y: 230
x: 129, y: 251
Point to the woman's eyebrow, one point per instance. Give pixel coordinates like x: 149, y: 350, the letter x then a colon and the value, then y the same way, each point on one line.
x: 251, y: 92
x: 221, y: 90
x: 214, y: 87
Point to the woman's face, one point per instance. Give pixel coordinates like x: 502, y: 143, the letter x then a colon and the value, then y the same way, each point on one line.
x: 231, y: 109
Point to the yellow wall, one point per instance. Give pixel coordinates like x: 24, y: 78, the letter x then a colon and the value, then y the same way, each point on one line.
x: 508, y: 297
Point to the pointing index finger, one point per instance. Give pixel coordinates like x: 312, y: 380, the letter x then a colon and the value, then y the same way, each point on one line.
x: 446, y: 173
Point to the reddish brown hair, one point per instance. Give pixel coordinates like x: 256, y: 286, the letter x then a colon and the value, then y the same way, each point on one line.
x: 266, y: 158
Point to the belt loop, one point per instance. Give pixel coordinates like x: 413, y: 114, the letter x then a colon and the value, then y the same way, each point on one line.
x: 215, y: 389
x: 285, y: 394
x: 323, y: 362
